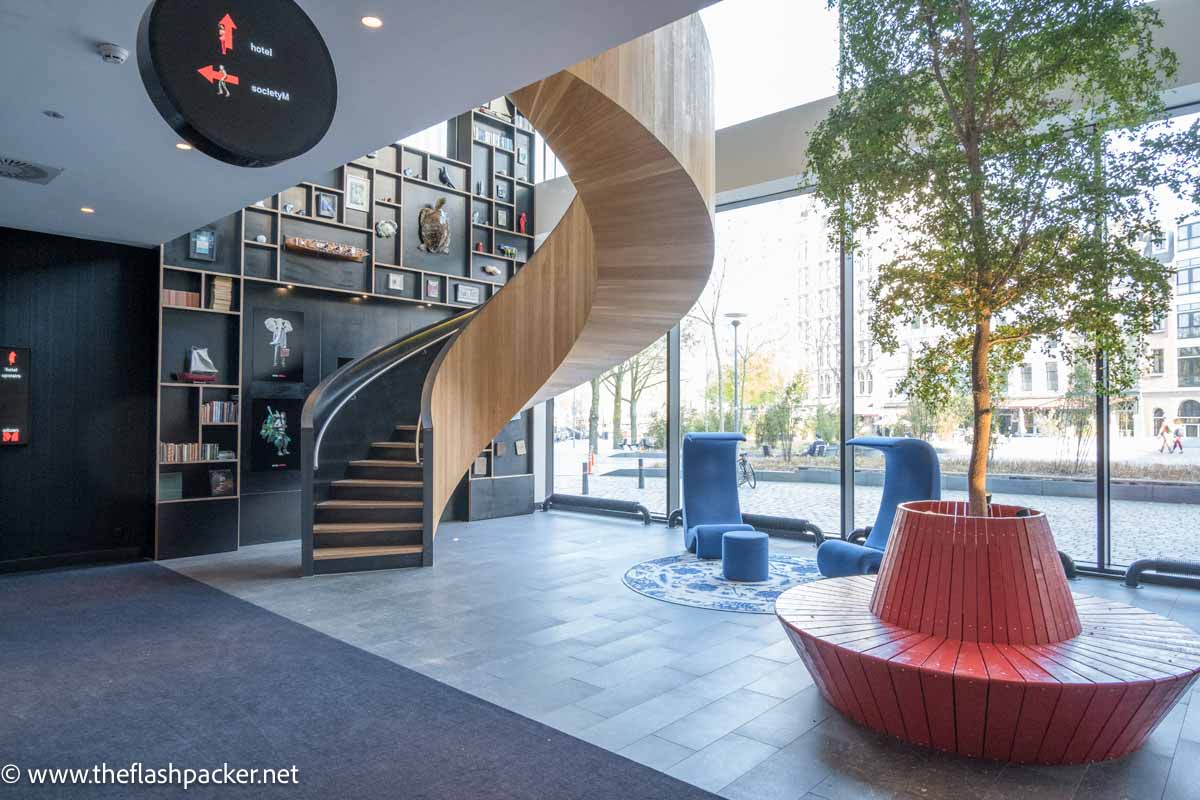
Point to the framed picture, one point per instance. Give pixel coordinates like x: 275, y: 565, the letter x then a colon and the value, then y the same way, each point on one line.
x: 220, y: 482
x: 501, y: 217
x: 464, y: 293
x: 275, y: 442
x: 396, y: 281
x: 501, y: 190
x: 522, y: 155
x: 481, y: 465
x: 202, y: 245
x: 433, y: 288
x: 358, y: 193
x: 278, y: 346
x: 326, y: 205
x: 501, y: 449
x: 519, y: 447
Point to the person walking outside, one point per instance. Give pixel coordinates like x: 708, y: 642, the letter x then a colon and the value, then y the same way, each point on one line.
x: 1178, y: 443
x: 1164, y: 437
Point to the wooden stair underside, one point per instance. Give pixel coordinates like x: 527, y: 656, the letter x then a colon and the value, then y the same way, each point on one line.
x: 634, y: 127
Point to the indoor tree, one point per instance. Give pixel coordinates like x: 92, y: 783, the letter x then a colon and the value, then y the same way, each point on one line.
x: 1009, y: 148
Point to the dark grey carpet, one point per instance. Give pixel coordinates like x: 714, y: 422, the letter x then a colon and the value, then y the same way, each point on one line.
x: 136, y: 663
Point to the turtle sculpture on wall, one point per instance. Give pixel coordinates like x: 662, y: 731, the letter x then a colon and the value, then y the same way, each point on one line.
x: 434, y: 229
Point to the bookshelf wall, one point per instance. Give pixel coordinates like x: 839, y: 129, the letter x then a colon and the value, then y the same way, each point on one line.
x: 489, y: 195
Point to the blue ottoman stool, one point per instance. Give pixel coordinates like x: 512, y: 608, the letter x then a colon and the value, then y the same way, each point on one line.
x: 708, y: 537
x: 744, y: 556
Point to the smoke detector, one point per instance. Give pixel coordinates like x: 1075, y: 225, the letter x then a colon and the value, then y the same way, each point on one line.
x: 111, y: 53
x: 27, y: 171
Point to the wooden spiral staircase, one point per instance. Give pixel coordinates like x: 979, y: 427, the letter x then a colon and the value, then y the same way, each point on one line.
x: 634, y: 129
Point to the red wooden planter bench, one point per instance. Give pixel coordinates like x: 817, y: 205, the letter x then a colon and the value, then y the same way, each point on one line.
x: 970, y: 642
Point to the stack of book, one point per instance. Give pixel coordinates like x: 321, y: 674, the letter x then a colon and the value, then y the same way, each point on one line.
x: 219, y: 411
x: 183, y: 453
x: 222, y: 294
x: 177, y: 297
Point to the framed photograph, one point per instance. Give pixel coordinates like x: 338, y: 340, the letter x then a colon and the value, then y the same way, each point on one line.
x: 275, y: 438
x: 433, y: 288
x: 396, y: 281
x: 501, y: 217
x: 522, y: 155
x: 519, y: 447
x: 326, y: 205
x: 278, y: 346
x: 501, y: 449
x: 501, y: 190
x: 202, y: 245
x: 358, y: 193
x: 481, y: 468
x: 220, y: 482
x: 464, y: 293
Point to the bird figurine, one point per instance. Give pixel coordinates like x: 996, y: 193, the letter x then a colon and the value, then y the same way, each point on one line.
x: 444, y: 177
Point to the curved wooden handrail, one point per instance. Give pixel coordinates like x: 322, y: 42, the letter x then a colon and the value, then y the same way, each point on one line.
x: 634, y: 129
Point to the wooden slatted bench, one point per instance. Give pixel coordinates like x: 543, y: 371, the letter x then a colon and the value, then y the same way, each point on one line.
x: 1015, y: 694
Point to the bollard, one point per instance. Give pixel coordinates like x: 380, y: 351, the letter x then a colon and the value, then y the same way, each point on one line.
x: 585, y: 477
x: 641, y: 475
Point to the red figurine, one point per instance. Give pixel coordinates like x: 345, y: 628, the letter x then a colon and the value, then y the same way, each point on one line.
x: 522, y: 221
x: 479, y: 247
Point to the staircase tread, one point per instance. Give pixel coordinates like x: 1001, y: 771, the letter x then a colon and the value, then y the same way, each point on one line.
x: 323, y: 553
x: 377, y: 483
x: 370, y: 504
x: 385, y: 462
x: 365, y: 527
x: 406, y: 427
x: 394, y: 444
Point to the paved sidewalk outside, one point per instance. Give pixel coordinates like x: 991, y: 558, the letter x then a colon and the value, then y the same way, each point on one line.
x: 1141, y: 529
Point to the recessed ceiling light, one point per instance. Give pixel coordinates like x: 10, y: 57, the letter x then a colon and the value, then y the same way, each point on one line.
x: 182, y: 146
x: 374, y: 23
x: 52, y: 114
x: 290, y: 286
x: 87, y: 210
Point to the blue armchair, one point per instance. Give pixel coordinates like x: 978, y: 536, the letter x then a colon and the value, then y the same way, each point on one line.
x: 710, y: 498
x: 911, y: 472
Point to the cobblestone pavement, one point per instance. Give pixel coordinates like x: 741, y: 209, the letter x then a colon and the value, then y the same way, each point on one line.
x: 1140, y: 529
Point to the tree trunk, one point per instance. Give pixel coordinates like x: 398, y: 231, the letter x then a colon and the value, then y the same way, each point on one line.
x: 720, y: 379
x: 618, y: 391
x: 981, y: 396
x: 594, y: 418
x: 633, y: 421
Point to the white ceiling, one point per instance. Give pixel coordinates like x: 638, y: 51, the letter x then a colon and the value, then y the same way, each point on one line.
x: 430, y: 62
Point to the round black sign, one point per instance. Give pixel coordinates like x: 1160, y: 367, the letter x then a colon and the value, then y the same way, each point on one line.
x: 249, y: 82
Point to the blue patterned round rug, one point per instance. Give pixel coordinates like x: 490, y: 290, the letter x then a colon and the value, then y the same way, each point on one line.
x: 690, y: 581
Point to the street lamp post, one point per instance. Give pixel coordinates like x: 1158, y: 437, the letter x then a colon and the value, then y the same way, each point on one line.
x: 735, y: 318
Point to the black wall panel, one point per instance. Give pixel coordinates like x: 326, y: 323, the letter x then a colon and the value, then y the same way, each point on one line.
x: 335, y: 326
x: 84, y: 484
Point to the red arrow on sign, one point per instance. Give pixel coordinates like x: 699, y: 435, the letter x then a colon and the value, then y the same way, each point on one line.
x: 225, y: 29
x: 213, y: 74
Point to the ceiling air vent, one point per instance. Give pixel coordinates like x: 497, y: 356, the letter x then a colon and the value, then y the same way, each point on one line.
x: 27, y: 171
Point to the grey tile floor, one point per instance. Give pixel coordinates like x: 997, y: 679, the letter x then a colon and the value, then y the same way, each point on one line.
x: 530, y: 613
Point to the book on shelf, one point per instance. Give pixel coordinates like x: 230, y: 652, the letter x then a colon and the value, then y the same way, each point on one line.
x: 187, y: 452
x: 221, y: 295
x: 220, y: 411
x: 170, y: 486
x: 178, y: 297
x: 196, y: 377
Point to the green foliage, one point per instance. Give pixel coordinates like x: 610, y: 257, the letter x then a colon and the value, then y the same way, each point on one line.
x: 1010, y: 147
x: 825, y: 424
x: 656, y: 431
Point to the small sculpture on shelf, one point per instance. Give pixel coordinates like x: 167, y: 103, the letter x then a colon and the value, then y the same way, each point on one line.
x: 434, y: 229
x: 479, y: 247
x: 491, y: 270
x: 508, y: 251
x: 444, y: 178
x: 522, y: 222
x: 386, y: 228
x: 200, y: 367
